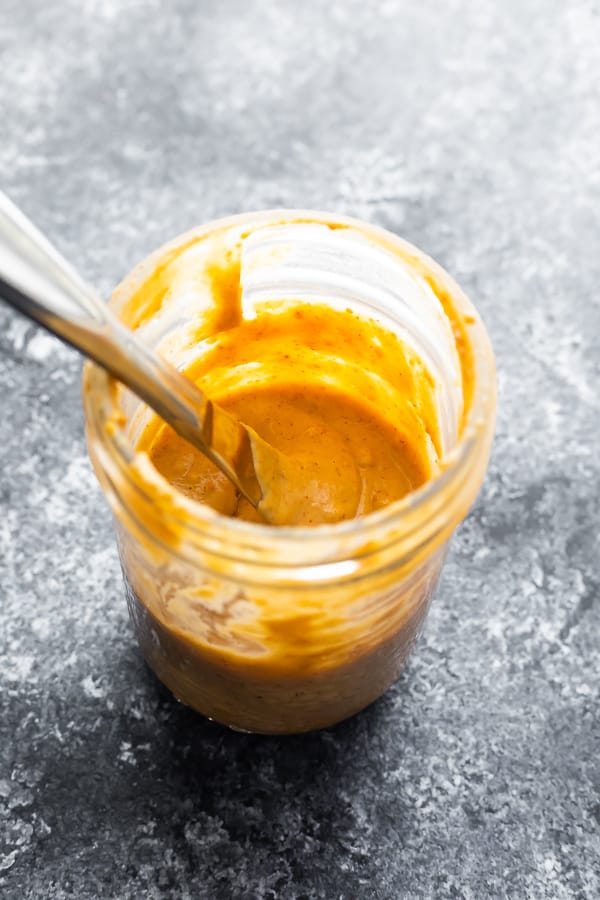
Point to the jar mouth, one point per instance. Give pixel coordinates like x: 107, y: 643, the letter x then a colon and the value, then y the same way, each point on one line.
x: 423, y: 518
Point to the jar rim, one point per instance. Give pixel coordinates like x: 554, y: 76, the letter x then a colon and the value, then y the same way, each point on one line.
x: 424, y: 516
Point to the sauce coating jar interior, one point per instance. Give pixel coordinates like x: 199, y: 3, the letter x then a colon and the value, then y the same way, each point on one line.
x: 283, y: 630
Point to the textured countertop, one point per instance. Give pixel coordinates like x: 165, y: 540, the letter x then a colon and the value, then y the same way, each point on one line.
x: 472, y: 129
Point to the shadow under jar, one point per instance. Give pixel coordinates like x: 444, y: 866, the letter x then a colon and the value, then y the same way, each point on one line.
x: 288, y: 629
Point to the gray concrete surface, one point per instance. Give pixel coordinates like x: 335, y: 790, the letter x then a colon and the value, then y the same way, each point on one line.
x: 473, y: 130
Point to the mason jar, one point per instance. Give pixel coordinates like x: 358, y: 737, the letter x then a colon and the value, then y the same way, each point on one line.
x: 286, y: 629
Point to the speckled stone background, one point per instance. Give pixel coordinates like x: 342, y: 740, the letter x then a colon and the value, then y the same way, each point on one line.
x: 473, y: 129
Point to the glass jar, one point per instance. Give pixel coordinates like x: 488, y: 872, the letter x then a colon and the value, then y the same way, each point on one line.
x: 283, y: 630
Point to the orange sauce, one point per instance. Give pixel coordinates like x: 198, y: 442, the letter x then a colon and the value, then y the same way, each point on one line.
x: 351, y: 456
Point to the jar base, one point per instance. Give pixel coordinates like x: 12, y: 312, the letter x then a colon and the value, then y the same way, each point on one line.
x: 246, y: 700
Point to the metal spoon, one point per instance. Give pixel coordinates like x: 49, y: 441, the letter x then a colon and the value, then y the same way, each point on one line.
x: 37, y: 281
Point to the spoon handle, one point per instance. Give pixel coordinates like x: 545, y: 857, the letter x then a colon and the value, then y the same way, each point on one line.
x: 38, y: 282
